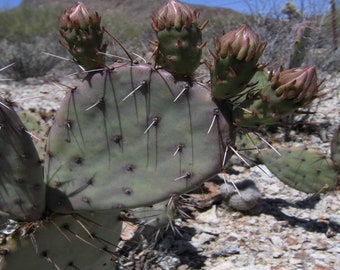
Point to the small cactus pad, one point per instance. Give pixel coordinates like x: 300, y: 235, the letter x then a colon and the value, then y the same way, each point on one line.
x: 235, y: 62
x: 22, y: 192
x: 276, y: 95
x: 80, y: 27
x: 133, y: 136
x: 335, y: 148
x: 179, y: 45
x: 302, y: 169
x: 84, y: 240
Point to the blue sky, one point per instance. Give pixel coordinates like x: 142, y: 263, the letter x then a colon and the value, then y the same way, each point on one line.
x: 5, y: 4
x: 258, y: 6
x: 249, y: 6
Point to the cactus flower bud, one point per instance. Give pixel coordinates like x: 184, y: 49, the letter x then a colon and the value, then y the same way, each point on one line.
x: 179, y: 45
x: 242, y: 43
x: 174, y: 14
x: 277, y: 95
x: 235, y: 62
x: 80, y: 27
x: 79, y: 16
x: 299, y: 84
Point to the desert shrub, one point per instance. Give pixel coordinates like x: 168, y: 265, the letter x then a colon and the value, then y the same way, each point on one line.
x: 28, y: 57
x: 26, y: 21
x: 281, y: 28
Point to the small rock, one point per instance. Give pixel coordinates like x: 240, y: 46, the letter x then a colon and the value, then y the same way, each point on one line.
x: 168, y: 262
x: 228, y: 249
x: 201, y: 239
x: 241, y: 196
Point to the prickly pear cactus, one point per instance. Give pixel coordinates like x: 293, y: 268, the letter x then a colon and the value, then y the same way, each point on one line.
x: 302, y: 169
x: 22, y: 192
x: 85, y: 240
x: 153, y: 220
x: 132, y: 136
x: 300, y: 47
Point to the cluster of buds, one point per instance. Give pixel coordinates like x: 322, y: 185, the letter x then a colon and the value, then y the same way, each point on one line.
x: 277, y: 95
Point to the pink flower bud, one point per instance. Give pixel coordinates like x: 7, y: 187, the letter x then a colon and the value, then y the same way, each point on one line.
x: 79, y: 17
x: 174, y: 14
x: 299, y: 84
x: 241, y: 43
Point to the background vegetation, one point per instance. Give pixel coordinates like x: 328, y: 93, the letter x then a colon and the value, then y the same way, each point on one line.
x: 32, y: 28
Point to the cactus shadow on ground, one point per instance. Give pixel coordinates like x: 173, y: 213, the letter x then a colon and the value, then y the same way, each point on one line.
x: 172, y: 249
x: 274, y: 206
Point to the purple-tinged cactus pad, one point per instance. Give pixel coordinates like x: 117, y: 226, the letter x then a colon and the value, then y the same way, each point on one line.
x: 302, y: 169
x: 83, y: 240
x: 22, y: 188
x: 133, y: 136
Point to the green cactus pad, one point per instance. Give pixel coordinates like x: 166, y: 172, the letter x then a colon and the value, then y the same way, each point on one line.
x: 80, y: 27
x: 302, y: 169
x: 22, y: 192
x: 235, y: 62
x: 179, y: 51
x: 179, y: 45
x: 131, y: 137
x: 260, y: 105
x: 84, y: 240
x: 230, y: 76
x: 335, y: 148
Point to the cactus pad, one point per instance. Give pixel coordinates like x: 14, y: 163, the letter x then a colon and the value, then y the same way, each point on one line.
x: 131, y: 137
x: 276, y: 95
x: 235, y: 62
x: 81, y: 241
x: 302, y: 169
x: 22, y: 193
x: 81, y: 29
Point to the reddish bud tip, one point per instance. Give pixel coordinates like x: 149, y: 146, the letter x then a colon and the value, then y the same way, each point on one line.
x: 299, y: 84
x: 242, y: 43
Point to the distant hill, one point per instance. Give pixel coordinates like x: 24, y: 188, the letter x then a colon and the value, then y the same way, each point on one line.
x: 137, y: 9
x: 137, y: 12
x: 129, y: 20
